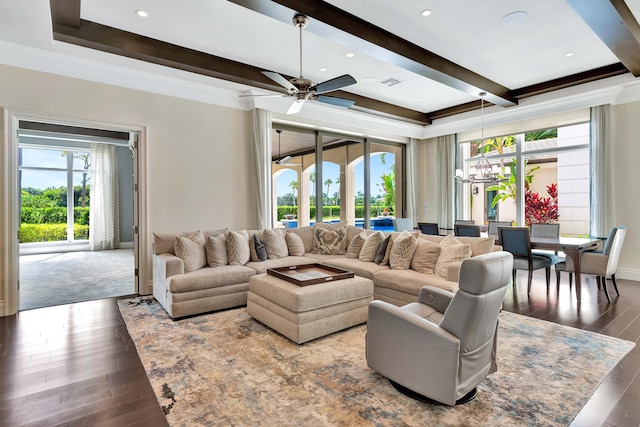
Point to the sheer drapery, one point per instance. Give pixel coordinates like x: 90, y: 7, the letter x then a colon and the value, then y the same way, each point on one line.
x: 446, y: 174
x: 261, y: 178
x: 602, y: 188
x: 411, y: 153
x: 104, y: 222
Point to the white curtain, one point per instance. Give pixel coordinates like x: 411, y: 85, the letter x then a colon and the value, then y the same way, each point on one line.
x: 104, y: 221
x: 602, y: 188
x: 412, y: 210
x: 446, y: 173
x: 262, y: 167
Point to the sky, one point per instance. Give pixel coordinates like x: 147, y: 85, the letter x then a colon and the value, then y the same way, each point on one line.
x: 46, y: 178
x: 332, y: 171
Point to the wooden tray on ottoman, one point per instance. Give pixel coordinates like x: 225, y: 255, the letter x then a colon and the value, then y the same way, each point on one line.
x: 309, y: 274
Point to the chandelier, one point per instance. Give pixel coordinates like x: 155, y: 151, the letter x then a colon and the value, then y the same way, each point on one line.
x: 484, y: 173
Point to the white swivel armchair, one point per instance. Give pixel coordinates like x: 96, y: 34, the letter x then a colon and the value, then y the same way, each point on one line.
x: 440, y: 348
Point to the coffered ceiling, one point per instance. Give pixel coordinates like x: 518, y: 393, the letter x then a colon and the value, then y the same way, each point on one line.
x: 511, y: 49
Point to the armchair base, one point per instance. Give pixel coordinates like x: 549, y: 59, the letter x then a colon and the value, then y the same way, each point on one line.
x: 417, y: 396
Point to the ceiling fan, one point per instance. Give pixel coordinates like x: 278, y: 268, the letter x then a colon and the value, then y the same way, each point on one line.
x: 286, y: 159
x: 302, y: 89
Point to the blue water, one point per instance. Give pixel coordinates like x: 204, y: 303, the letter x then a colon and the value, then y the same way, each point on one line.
x: 378, y: 224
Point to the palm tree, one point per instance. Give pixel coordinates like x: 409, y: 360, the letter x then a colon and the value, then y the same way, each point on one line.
x: 328, y: 183
x: 294, y: 186
x: 312, y: 178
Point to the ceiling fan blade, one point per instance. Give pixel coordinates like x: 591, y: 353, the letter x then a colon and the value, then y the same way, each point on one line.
x: 334, y: 84
x: 280, y: 80
x: 262, y: 96
x: 338, y: 102
x: 295, y: 106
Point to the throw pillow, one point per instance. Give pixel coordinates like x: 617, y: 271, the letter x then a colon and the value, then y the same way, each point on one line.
x: 330, y: 242
x: 216, y: 248
x: 275, y: 243
x: 295, y: 244
x: 356, y: 245
x: 393, y: 235
x: 402, y: 251
x: 191, y: 250
x: 370, y: 246
x: 238, y: 247
x: 451, y: 251
x: 382, y: 250
x: 261, y: 252
x: 424, y: 260
x: 252, y: 246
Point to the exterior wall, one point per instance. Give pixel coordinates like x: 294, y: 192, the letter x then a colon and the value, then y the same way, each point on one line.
x: 573, y: 182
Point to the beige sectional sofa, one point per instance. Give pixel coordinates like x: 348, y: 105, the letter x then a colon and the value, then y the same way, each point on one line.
x: 204, y: 271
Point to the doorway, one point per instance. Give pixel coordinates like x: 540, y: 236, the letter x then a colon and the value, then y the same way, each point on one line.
x: 71, y: 249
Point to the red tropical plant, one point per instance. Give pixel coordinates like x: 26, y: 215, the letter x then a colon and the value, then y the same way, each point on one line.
x: 541, y: 210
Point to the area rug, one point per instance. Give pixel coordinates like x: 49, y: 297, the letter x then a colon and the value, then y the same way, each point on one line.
x: 226, y: 368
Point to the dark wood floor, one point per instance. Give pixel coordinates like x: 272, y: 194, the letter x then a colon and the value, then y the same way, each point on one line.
x: 76, y: 364
x: 73, y: 365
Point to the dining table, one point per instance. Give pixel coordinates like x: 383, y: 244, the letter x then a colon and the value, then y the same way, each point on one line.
x: 573, y: 247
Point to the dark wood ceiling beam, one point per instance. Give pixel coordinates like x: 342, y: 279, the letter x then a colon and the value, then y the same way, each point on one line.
x: 66, y: 12
x: 355, y: 33
x: 616, y: 26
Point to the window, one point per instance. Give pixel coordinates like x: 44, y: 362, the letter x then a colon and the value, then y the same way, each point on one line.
x: 556, y: 179
x: 54, y: 194
x: 338, y: 187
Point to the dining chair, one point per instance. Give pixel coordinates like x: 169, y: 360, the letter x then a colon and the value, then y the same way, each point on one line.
x: 517, y: 240
x: 546, y: 230
x: 492, y: 227
x: 466, y: 230
x: 431, y: 228
x: 401, y: 224
x: 602, y: 264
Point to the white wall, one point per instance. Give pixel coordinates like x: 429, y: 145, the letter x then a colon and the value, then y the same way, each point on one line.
x: 625, y: 142
x: 197, y: 154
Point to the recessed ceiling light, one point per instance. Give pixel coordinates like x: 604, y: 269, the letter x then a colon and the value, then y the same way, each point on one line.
x: 350, y: 54
x: 514, y: 18
x: 569, y: 54
x: 367, y: 80
x: 426, y: 12
x: 323, y: 69
x: 420, y: 99
x: 142, y: 13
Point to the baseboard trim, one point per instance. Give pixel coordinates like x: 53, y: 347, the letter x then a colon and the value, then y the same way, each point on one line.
x: 628, y: 274
x: 2, y: 313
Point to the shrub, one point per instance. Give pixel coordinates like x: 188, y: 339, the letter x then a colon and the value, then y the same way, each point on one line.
x: 30, y: 233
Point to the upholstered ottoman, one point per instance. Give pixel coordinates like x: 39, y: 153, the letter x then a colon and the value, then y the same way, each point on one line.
x: 303, y: 313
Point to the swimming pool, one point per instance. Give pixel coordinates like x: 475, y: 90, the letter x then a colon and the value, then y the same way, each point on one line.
x: 378, y: 224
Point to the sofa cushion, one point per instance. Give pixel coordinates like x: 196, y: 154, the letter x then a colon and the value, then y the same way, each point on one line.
x: 370, y: 246
x: 381, y: 257
x: 479, y: 245
x: 207, y: 277
x: 216, y: 249
x: 353, y: 231
x: 402, y: 251
x: 253, y: 255
x: 356, y: 245
x: 259, y: 249
x: 275, y: 243
x: 306, y: 234
x: 165, y: 243
x: 261, y: 267
x: 425, y: 257
x: 329, y: 241
x: 394, y: 235
x: 411, y: 281
x: 191, y: 249
x: 320, y: 258
x: 451, y: 251
x: 295, y: 245
x: 359, y: 268
x: 238, y: 247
